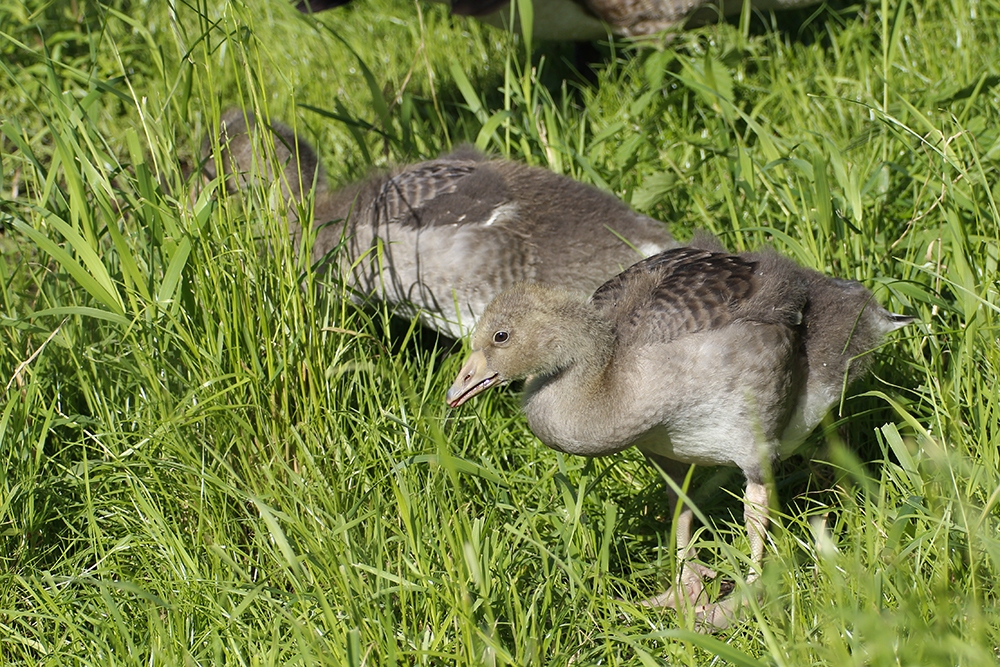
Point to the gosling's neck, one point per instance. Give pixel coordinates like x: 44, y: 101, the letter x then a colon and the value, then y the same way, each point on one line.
x: 570, y: 404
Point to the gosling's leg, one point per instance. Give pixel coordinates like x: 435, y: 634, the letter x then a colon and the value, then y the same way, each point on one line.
x: 689, y: 587
x: 722, y: 614
x: 756, y: 505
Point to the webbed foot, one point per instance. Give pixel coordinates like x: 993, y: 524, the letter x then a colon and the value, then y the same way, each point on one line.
x: 689, y: 589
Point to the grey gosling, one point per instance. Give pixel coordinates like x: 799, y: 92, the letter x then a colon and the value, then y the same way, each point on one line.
x: 585, y: 20
x: 442, y: 238
x: 693, y: 356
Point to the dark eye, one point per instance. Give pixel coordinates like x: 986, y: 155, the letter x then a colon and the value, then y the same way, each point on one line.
x: 500, y: 337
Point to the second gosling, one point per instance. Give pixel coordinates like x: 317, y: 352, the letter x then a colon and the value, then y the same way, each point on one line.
x: 441, y: 238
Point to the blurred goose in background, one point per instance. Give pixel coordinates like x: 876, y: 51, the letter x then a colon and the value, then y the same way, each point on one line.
x: 585, y: 20
x: 441, y: 238
x: 695, y: 357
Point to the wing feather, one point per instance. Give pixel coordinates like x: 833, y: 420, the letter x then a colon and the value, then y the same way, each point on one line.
x: 677, y: 292
x: 448, y: 191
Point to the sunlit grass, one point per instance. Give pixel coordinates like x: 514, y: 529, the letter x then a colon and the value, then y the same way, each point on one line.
x: 208, y: 454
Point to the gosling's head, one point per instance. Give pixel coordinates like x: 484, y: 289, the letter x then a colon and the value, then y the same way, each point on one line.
x: 526, y: 330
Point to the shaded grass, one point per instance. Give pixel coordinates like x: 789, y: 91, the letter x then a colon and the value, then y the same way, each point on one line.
x: 204, y: 461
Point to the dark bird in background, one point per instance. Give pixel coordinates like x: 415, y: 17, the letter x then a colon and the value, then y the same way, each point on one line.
x: 584, y: 20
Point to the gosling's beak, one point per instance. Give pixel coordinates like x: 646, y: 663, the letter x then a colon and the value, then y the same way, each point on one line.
x: 475, y: 377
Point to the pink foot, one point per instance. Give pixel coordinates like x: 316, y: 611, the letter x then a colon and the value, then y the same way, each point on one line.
x: 689, y: 589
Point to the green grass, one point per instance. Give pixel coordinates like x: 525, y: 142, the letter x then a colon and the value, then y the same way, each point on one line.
x: 203, y: 463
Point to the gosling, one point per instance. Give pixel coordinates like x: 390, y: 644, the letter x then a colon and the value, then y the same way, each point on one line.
x: 693, y: 356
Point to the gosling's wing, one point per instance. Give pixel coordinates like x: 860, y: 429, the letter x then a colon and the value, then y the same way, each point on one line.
x: 677, y: 292
x: 454, y: 190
